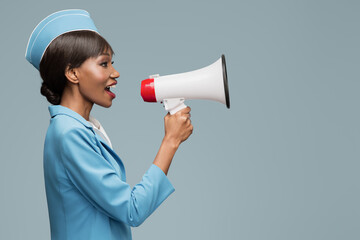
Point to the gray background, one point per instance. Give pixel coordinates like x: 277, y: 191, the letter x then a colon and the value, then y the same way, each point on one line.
x: 282, y: 163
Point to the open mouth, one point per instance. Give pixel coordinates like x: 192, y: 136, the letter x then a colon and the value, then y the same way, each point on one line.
x: 107, y: 89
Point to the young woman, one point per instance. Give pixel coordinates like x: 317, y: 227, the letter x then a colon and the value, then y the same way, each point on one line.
x: 86, y: 189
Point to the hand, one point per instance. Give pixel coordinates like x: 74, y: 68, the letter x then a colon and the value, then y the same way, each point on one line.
x: 178, y: 127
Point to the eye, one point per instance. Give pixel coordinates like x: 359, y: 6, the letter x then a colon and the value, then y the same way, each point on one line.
x: 104, y: 64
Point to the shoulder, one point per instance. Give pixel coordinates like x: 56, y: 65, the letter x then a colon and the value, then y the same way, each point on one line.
x: 64, y: 129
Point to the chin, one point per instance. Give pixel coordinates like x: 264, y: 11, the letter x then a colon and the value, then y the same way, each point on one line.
x: 105, y: 105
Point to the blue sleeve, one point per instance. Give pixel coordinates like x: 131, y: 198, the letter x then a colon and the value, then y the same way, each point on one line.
x: 98, y: 182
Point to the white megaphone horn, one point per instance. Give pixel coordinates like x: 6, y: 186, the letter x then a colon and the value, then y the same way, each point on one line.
x: 172, y: 90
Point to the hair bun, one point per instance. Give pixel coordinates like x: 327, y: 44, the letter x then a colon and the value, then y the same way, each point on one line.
x: 52, y: 97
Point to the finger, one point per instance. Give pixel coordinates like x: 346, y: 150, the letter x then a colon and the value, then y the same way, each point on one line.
x: 185, y: 118
x: 187, y: 115
x: 185, y: 110
x: 191, y: 128
x: 167, y: 116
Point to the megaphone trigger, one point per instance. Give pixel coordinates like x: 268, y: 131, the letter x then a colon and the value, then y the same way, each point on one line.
x: 174, y: 105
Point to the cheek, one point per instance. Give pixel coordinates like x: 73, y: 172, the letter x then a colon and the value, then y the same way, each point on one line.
x: 96, y: 81
x: 93, y: 81
x: 100, y: 77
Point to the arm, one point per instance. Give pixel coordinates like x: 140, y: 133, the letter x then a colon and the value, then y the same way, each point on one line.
x: 98, y: 182
x: 178, y: 128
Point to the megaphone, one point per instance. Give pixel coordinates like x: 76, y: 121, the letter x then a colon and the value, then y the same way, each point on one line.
x: 209, y: 83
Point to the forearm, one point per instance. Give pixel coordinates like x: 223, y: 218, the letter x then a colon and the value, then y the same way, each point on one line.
x: 178, y: 128
x: 166, y: 153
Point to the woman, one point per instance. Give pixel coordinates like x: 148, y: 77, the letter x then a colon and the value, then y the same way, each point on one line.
x: 86, y: 189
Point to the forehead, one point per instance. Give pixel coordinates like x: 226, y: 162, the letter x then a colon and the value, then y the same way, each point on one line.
x: 107, y: 52
x: 105, y: 56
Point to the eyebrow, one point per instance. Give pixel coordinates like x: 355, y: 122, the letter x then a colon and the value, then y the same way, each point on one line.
x: 106, y: 54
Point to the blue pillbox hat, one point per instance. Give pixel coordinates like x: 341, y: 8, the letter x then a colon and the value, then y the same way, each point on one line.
x: 53, y: 26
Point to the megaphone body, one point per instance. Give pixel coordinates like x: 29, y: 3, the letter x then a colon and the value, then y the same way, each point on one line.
x: 172, y: 90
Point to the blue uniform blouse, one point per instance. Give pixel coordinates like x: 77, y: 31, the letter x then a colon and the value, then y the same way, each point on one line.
x: 88, y: 197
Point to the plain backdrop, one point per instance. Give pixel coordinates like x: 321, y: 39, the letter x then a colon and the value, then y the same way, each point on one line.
x: 282, y: 163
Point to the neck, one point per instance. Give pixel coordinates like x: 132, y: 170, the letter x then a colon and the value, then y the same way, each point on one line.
x: 73, y: 100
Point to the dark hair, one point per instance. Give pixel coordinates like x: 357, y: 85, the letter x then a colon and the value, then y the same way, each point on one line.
x: 69, y: 49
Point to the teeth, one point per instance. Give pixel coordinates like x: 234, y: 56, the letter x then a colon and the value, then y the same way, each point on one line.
x: 108, y: 87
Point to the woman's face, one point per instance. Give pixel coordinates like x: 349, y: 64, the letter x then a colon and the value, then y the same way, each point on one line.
x: 96, y: 76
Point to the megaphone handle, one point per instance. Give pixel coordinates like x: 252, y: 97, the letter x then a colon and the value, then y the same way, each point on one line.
x: 173, y: 105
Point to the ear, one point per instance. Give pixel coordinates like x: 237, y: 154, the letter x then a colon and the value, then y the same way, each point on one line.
x: 71, y: 74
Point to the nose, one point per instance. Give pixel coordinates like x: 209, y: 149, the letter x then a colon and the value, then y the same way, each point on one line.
x: 114, y: 73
